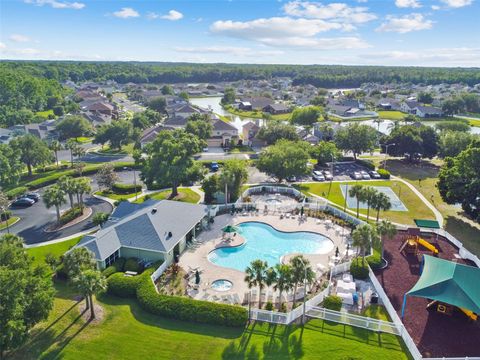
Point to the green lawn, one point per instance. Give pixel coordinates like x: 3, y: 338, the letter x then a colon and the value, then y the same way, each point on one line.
x: 114, y: 196
x: 256, y: 114
x: 57, y: 249
x: 391, y: 115
x: 243, y: 149
x: 184, y: 195
x: 45, y: 114
x: 128, y: 332
x: 464, y: 229
x: 474, y: 122
x: 9, y: 222
x: 376, y: 312
x: 83, y: 139
x: 416, y: 208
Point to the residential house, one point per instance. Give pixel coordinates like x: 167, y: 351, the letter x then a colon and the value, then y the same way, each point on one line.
x: 249, y: 133
x: 428, y: 111
x: 409, y: 106
x: 257, y: 103
x: 6, y: 135
x: 275, y: 109
x: 150, y: 134
x: 388, y: 104
x: 157, y: 232
x: 99, y: 107
x: 44, y: 130
x: 223, y: 134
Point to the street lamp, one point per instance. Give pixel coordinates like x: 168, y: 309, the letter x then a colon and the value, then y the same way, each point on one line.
x: 386, y: 153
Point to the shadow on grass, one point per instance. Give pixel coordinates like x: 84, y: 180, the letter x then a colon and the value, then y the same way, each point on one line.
x: 412, y: 171
x: 172, y: 324
x: 462, y: 230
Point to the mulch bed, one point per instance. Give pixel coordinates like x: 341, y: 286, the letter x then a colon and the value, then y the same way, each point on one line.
x: 435, y: 334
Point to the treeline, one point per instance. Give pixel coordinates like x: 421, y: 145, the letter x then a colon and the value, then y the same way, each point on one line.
x: 319, y: 75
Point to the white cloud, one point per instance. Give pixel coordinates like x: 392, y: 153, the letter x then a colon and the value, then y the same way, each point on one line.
x: 57, y: 4
x: 338, y: 12
x: 2, y: 45
x: 232, y: 50
x: 457, y: 3
x: 408, y: 3
x: 435, y: 7
x: 405, y: 24
x: 19, y: 38
x: 126, y: 13
x: 173, y: 15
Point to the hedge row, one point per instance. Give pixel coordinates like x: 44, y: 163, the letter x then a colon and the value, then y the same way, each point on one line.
x: 71, y: 214
x: 126, y: 188
x: 384, y: 174
x: 16, y: 192
x: 175, y: 307
x: 117, y: 266
x: 359, y: 268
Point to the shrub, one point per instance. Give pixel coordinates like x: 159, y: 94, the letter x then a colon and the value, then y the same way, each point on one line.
x: 132, y: 265
x: 16, y: 192
x: 358, y: 269
x: 123, y: 286
x: 269, y: 306
x: 187, y: 309
x: 117, y: 266
x: 384, y: 174
x: 375, y: 260
x: 71, y: 214
x: 61, y: 273
x: 333, y: 302
x: 5, y: 215
x: 126, y: 188
x: 108, y: 271
x: 366, y: 163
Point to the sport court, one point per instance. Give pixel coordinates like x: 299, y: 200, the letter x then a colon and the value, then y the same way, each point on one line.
x: 397, y: 204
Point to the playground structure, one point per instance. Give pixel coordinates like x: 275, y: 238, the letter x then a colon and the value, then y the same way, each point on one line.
x: 413, y: 240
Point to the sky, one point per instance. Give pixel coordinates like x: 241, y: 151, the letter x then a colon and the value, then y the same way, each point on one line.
x: 356, y: 32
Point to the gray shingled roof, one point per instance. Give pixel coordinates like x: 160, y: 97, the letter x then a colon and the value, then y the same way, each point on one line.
x: 147, y: 229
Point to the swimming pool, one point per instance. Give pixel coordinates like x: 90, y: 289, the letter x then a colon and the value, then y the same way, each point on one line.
x: 264, y: 242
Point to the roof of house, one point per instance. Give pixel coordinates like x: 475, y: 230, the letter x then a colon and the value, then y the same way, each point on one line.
x: 250, y: 126
x: 277, y: 107
x: 449, y: 282
x: 147, y: 229
x: 151, y: 133
x: 99, y: 106
x: 412, y: 104
x: 176, y: 121
x: 429, y: 110
x: 221, y: 125
x: 258, y: 102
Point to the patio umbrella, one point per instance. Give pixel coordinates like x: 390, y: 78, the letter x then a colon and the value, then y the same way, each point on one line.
x: 231, y: 229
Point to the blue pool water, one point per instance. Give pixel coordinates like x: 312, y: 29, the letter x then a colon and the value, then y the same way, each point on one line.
x: 268, y: 244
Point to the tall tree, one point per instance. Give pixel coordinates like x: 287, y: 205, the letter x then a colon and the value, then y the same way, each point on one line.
x: 452, y: 143
x: 283, y: 280
x: 90, y: 282
x: 167, y: 90
x: 357, y: 191
x: 200, y: 126
x: 364, y: 237
x: 284, y: 159
x: 386, y: 230
x: 55, y: 146
x: 169, y: 159
x: 380, y: 202
x: 356, y: 138
x: 4, y: 204
x: 82, y: 187
x: 210, y: 185
x: 326, y: 151
x: 26, y: 294
x: 256, y: 275
x: 73, y: 126
x: 106, y: 176
x: 117, y: 134
x: 301, y: 272
x: 158, y: 104
x: 32, y: 150
x: 306, y: 116
x: 276, y: 130
x: 228, y: 96
x: 54, y: 196
x: 10, y: 165
x: 369, y: 194
x: 234, y: 174
x: 67, y: 185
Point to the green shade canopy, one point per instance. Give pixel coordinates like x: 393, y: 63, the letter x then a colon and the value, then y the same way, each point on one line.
x: 231, y: 229
x: 429, y: 224
x: 449, y: 282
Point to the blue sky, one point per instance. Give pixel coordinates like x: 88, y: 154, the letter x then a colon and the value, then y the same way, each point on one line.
x: 364, y: 32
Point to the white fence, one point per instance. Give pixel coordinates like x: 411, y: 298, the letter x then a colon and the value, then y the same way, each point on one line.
x: 159, y: 271
x: 354, y: 320
x: 407, y: 339
x: 273, y: 189
x: 464, y: 253
x: 340, y: 268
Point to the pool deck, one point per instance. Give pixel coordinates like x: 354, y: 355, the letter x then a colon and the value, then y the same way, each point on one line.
x: 209, y: 240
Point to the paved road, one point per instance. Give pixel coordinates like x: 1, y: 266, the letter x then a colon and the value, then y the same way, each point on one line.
x: 36, y: 218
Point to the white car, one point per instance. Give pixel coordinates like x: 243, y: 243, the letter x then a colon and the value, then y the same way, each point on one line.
x: 318, y: 176
x: 374, y: 175
x: 365, y: 175
x: 356, y: 175
x: 328, y: 175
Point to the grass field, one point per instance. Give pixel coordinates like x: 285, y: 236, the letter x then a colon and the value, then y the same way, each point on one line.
x: 416, y: 208
x: 256, y: 114
x: 12, y: 220
x: 57, y: 249
x: 114, y: 196
x: 106, y: 150
x: 45, y: 114
x: 464, y: 229
x: 391, y: 115
x: 184, y: 195
x: 128, y: 332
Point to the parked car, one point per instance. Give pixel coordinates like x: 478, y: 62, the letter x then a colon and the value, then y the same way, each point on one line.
x: 328, y: 175
x: 32, y: 195
x: 365, y: 175
x: 318, y: 176
x: 356, y: 175
x: 205, y: 149
x: 374, y: 175
x: 214, y: 166
x: 292, y: 178
x: 23, y: 202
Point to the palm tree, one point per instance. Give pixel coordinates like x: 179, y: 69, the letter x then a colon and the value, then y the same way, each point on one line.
x: 4, y: 203
x: 381, y: 202
x: 300, y: 268
x: 82, y: 186
x: 386, y: 230
x: 71, y: 145
x: 364, y: 237
x: 54, y: 196
x: 369, y: 193
x: 283, y: 280
x: 90, y: 282
x: 357, y: 191
x: 256, y: 275
x: 55, y: 146
x: 68, y: 184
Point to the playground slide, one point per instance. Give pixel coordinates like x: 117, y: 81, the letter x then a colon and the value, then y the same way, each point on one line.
x: 427, y: 245
x: 470, y: 314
